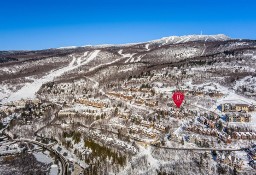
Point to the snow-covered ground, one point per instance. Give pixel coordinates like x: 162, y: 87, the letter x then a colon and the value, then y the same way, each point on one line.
x: 44, y: 158
x: 41, y: 157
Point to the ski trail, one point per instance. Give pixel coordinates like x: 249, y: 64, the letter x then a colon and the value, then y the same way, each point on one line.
x: 112, y: 62
x: 91, y: 57
x: 147, y: 47
x: 85, y: 54
x: 72, y: 62
x: 128, y: 55
x: 203, y: 50
x: 139, y: 58
x: 28, y: 91
x: 78, y: 61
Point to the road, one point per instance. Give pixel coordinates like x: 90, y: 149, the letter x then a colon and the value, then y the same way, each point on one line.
x: 64, y: 162
x: 199, y: 149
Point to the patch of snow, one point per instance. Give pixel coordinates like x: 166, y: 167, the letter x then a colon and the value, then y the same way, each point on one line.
x: 41, y: 157
x: 147, y: 47
x: 54, y: 169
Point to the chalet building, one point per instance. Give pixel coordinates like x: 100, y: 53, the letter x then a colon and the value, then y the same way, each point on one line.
x: 134, y: 89
x: 238, y: 117
x: 146, y: 123
x: 228, y: 107
x: 159, y: 127
x: 231, y: 160
x: 145, y: 90
x: 134, y: 129
x: 66, y: 113
x: 139, y: 101
x: 252, y: 108
x: 202, y: 131
x: 207, y: 122
x: 252, y: 163
x: 244, y: 135
x: 202, y: 142
x: 151, y: 103
x: 228, y: 139
x: 242, y: 107
x: 216, y: 94
x: 123, y: 115
x: 91, y: 103
x: 125, y: 97
x: 252, y: 156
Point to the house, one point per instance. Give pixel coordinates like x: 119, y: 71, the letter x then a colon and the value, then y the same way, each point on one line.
x: 59, y: 149
x: 244, y: 135
x: 252, y: 155
x: 238, y: 117
x: 151, y: 103
x: 91, y: 103
x: 252, y: 163
x: 139, y: 101
x: 236, y: 135
x: 252, y: 108
x: 63, y: 113
x: 242, y: 107
x: 159, y: 127
x: 227, y: 160
x: 228, y: 140
x: 226, y: 107
x: 146, y: 123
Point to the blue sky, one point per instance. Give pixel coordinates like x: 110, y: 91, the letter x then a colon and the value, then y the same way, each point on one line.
x: 40, y: 24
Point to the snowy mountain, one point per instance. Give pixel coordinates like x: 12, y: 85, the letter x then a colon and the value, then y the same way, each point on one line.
x: 25, y: 66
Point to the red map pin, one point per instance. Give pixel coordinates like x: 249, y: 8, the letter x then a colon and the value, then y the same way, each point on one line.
x: 178, y: 98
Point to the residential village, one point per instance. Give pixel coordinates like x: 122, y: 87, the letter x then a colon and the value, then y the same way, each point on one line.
x: 125, y: 116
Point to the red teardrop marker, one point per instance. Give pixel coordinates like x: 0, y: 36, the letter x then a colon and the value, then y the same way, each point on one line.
x: 178, y: 98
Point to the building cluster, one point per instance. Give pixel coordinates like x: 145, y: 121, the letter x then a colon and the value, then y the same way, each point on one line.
x: 244, y: 135
x: 209, y: 123
x: 145, y: 90
x: 147, y: 128
x: 91, y: 103
x: 196, y: 139
x: 198, y: 92
x: 201, y: 130
x: 119, y: 95
x: 139, y: 101
x: 230, y: 159
x: 228, y: 107
x: 238, y: 117
x: 120, y: 145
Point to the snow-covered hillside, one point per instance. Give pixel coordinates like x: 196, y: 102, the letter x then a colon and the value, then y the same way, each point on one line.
x: 108, y: 109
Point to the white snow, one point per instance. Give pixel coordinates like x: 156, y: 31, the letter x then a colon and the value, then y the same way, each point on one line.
x: 187, y: 38
x: 54, y: 169
x: 68, y: 47
x: 164, y: 41
x: 41, y: 157
x: 146, y: 46
x: 4, y: 92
